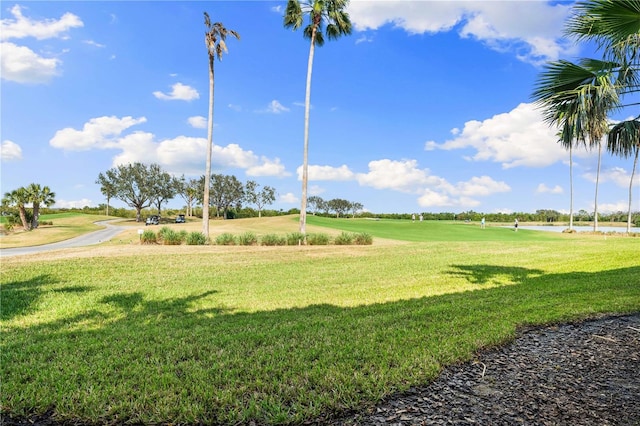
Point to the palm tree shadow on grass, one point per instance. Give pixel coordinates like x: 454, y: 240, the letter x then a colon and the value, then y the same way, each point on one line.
x: 21, y: 297
x: 497, y: 275
x: 173, y: 343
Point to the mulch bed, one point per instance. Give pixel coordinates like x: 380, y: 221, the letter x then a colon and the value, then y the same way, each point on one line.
x: 585, y: 373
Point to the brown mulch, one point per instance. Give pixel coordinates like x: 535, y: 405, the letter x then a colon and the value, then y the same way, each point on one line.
x: 585, y: 374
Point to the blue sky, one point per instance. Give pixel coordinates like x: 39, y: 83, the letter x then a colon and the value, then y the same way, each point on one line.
x: 425, y: 107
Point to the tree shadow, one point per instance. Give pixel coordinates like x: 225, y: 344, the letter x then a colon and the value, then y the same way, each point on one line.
x: 493, y: 274
x: 21, y: 297
x: 277, y: 360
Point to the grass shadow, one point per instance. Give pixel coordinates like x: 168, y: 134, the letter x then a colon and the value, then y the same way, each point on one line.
x: 20, y: 297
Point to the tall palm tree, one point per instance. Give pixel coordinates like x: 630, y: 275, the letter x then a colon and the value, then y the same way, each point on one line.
x: 19, y: 197
x: 624, y: 140
x: 214, y: 39
x: 329, y: 13
x: 577, y: 98
x: 615, y: 27
x: 39, y: 195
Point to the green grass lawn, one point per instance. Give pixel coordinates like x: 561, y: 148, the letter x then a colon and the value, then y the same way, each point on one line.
x: 285, y: 334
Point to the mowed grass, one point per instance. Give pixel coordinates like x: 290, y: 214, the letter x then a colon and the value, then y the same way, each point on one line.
x: 281, y: 335
x: 65, y: 226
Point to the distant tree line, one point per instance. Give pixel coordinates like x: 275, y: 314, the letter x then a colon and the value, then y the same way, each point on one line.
x: 142, y: 186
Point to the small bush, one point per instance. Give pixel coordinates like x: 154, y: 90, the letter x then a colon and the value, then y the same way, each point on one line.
x: 363, y: 239
x: 344, y: 239
x: 273, y: 240
x: 148, y: 237
x: 164, y: 232
x: 226, y: 239
x: 248, y: 239
x: 196, y: 239
x: 317, y: 239
x: 173, y: 238
x: 295, y: 238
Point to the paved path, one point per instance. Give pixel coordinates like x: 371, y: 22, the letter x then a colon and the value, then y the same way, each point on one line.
x: 89, y: 239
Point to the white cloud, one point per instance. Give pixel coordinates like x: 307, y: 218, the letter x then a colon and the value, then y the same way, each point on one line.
x: 20, y: 63
x: 289, y: 197
x: 535, y: 38
x: 268, y: 168
x: 97, y: 133
x: 517, y: 138
x: 364, y: 39
x: 432, y: 191
x: 236, y: 108
x: 315, y: 190
x: 544, y: 189
x: 21, y: 27
x: 620, y: 206
x: 277, y: 9
x: 198, y: 121
x: 341, y: 173
x: 275, y: 107
x: 23, y: 65
x: 93, y: 43
x: 10, y: 151
x: 179, y: 92
x: 181, y: 154
x: 617, y: 175
x: 75, y: 204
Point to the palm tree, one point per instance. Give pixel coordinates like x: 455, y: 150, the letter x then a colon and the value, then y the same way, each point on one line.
x: 39, y: 195
x: 18, y: 197
x: 624, y: 140
x: 329, y: 13
x: 214, y: 39
x: 615, y: 27
x: 577, y: 98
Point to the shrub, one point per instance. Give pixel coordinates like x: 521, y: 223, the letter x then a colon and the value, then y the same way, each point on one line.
x: 172, y: 238
x: 273, y: 240
x: 163, y: 231
x: 226, y: 239
x: 196, y: 239
x: 344, y: 239
x: 295, y: 238
x: 317, y: 239
x: 363, y: 239
x: 248, y: 239
x: 148, y: 237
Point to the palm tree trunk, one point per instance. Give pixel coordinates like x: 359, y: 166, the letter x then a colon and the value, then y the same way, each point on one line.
x: 595, y: 203
x: 305, y: 157
x: 571, y: 187
x: 633, y: 171
x: 36, y: 213
x: 23, y: 217
x: 207, y: 175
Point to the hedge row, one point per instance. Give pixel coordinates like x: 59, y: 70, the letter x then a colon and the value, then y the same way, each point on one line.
x: 168, y: 236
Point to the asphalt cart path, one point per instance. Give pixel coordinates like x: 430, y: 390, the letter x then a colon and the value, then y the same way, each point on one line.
x: 92, y: 238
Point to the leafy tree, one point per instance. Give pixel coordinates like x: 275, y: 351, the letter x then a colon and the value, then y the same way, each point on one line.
x: 355, y: 208
x: 39, y: 195
x: 266, y: 196
x: 18, y: 198
x: 214, y: 39
x: 134, y: 184
x: 316, y: 203
x: 226, y: 192
x: 188, y: 190
x: 329, y: 13
x: 165, y: 186
x: 109, y: 191
x: 339, y: 206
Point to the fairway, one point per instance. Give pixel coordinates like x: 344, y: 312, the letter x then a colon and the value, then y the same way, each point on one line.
x: 278, y: 335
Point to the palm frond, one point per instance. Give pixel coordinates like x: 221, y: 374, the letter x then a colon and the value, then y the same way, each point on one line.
x: 624, y: 138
